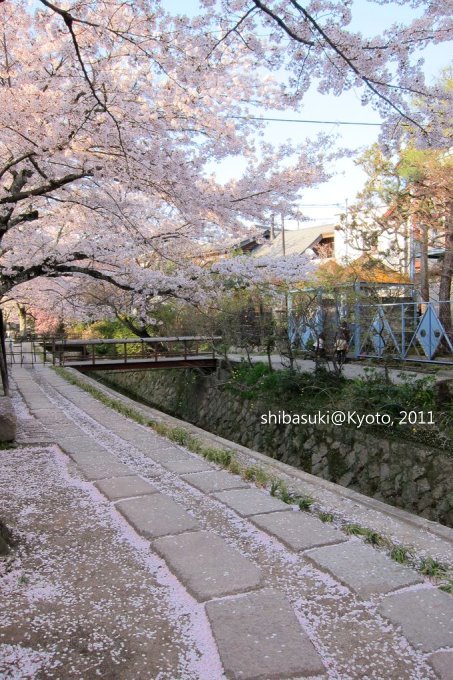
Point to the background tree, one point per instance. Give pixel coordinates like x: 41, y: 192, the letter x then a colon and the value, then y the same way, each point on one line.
x: 406, y: 209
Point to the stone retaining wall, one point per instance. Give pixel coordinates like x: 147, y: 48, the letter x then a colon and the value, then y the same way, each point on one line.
x: 414, y: 477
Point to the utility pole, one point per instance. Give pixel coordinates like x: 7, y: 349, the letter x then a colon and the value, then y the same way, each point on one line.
x: 346, y: 234
x: 283, y: 236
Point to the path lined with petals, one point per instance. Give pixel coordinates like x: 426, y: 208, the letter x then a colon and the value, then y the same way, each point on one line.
x: 138, y: 559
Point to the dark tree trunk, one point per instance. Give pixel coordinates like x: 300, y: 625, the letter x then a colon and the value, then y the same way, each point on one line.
x: 424, y: 270
x: 446, y: 275
x: 22, y: 319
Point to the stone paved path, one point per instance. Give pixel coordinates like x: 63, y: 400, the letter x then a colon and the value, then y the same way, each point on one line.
x: 355, y: 369
x: 263, y: 591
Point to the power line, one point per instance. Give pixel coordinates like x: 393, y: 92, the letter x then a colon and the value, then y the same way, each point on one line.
x: 321, y: 205
x: 300, y: 120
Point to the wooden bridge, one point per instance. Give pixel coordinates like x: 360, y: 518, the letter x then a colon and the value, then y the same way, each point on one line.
x: 117, y: 354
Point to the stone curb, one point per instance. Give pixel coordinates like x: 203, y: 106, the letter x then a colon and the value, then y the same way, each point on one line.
x: 431, y: 527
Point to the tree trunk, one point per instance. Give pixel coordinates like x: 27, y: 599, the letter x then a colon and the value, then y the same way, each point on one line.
x: 22, y: 319
x: 424, y: 270
x: 138, y: 329
x: 446, y: 275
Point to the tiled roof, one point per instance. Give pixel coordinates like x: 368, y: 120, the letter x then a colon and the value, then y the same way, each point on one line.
x: 296, y: 241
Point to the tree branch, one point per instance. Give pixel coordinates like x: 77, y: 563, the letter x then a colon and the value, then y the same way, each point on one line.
x: 282, y: 24
x: 15, y: 161
x: 25, y: 217
x: 51, y: 185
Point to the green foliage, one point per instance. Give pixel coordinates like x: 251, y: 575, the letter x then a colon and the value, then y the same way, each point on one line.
x: 224, y: 458
x: 234, y: 467
x: 111, y: 329
x: 261, y: 477
x: 104, y: 350
x: 284, y: 494
x: 246, y: 379
x: 370, y: 393
x: 373, y: 392
x: 305, y: 502
x: 179, y: 436
x: 400, y: 554
x: 431, y: 567
x: 326, y: 516
x: 7, y: 445
x: 275, y: 486
x: 256, y: 474
x: 374, y: 537
x: 353, y: 529
x: 447, y: 587
x: 370, y: 536
x: 258, y: 381
x: 249, y: 474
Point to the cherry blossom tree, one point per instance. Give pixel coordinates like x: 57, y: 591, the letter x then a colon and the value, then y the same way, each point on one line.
x: 315, y: 44
x: 110, y: 115
x: 113, y: 116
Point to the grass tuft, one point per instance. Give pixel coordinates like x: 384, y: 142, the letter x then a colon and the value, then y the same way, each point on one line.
x: 369, y: 535
x: 326, y: 516
x: 431, y: 567
x: 400, y: 554
x: 275, y: 486
x: 261, y: 477
x: 305, y: 502
x: 234, y: 466
x: 353, y: 529
x: 447, y: 587
x: 249, y: 473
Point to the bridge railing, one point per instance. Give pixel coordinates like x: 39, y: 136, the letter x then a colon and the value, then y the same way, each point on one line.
x: 405, y: 330
x: 65, y: 351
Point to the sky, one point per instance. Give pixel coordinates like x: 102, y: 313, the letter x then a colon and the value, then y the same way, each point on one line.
x: 323, y: 204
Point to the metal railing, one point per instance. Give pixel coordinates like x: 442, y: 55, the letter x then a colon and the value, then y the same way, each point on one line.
x: 95, y: 352
x: 407, y: 331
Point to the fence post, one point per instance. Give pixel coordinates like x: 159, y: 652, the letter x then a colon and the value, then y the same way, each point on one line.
x: 3, y: 364
x: 403, y: 331
x: 357, y: 320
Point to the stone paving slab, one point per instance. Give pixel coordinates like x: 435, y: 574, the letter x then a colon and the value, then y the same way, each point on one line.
x: 148, y: 441
x: 156, y: 515
x: 96, y: 466
x: 83, y: 446
x: 181, y: 467
x: 206, y: 565
x: 49, y: 414
x: 247, y: 502
x: 298, y: 530
x: 124, y: 487
x: 442, y: 662
x: 215, y: 480
x: 66, y: 430
x: 259, y: 638
x: 425, y: 616
x: 363, y: 569
x: 167, y: 454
